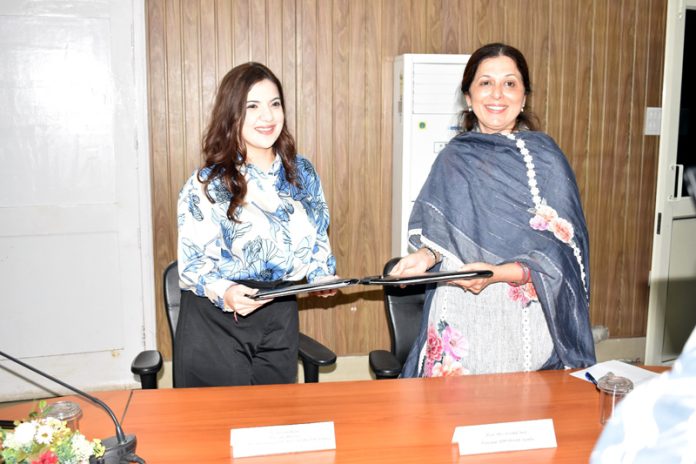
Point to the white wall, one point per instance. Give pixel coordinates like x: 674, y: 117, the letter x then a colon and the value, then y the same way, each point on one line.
x: 75, y: 242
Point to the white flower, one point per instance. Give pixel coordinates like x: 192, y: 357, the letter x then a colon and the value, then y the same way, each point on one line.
x: 520, y: 144
x: 24, y: 434
x: 81, y: 447
x: 44, y: 434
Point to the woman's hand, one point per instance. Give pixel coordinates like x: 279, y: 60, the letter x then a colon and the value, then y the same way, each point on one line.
x: 325, y: 293
x: 236, y: 300
x: 508, y: 272
x: 414, y: 263
x: 475, y: 286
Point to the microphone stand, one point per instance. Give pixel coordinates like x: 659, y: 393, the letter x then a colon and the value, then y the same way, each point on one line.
x: 119, y: 449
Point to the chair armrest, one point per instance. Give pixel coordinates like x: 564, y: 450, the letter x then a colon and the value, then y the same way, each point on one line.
x: 384, y: 364
x: 314, y: 352
x: 146, y: 365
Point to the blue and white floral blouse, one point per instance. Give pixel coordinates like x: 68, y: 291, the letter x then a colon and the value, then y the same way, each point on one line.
x: 282, y: 233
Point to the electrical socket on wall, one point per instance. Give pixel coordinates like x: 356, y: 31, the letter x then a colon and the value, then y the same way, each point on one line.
x: 653, y: 121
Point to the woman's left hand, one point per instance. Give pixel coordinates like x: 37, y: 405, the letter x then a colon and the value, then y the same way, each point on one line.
x: 476, y: 286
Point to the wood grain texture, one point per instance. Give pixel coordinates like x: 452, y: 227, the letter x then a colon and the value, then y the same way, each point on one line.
x: 386, y: 421
x: 595, y: 66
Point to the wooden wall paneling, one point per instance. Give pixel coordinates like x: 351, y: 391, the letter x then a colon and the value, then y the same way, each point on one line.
x: 468, y: 41
x: 343, y: 158
x: 274, y: 40
x: 307, y: 83
x: 594, y: 201
x: 241, y: 47
x: 389, y: 45
x: 357, y: 195
x: 489, y: 24
x: 624, y: 159
x: 191, y: 56
x: 434, y: 33
x: 308, y: 131
x: 536, y: 50
x: 289, y: 56
x: 258, y: 31
x: 208, y: 61
x: 176, y: 126
x: 402, y: 20
x: 379, y: 212
x: 611, y: 186
x: 322, y: 318
x: 632, y: 223
x: 451, y: 27
x: 223, y: 40
x: 632, y: 140
x: 591, y: 84
x: 653, y: 64
x: 579, y: 47
x: 163, y: 239
x: 555, y: 70
x: 418, y: 26
x: 513, y: 30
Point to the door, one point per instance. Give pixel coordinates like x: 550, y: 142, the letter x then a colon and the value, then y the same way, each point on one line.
x: 672, y: 310
x: 75, y: 246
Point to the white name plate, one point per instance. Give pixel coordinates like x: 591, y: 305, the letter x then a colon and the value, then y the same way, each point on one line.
x: 505, y: 436
x: 279, y: 439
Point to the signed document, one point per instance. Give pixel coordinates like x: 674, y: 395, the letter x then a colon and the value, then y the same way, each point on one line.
x: 505, y: 436
x: 279, y: 439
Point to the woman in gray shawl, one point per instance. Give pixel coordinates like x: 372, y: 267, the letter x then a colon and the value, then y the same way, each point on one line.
x: 501, y: 197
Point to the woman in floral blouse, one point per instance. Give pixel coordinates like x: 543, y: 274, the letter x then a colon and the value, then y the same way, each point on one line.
x: 500, y: 197
x: 253, y: 215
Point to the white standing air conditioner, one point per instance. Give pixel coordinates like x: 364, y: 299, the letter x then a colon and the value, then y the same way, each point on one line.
x: 427, y: 106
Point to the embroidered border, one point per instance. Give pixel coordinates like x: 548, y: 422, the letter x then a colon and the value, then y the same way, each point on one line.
x: 545, y: 217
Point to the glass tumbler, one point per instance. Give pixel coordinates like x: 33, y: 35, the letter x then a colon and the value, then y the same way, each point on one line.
x: 67, y: 411
x: 612, y: 389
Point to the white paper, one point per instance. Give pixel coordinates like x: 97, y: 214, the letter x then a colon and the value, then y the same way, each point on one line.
x: 636, y: 374
x: 278, y: 439
x: 505, y: 436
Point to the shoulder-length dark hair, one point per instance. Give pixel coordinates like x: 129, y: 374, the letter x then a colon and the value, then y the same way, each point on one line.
x: 224, y: 151
x: 526, y: 119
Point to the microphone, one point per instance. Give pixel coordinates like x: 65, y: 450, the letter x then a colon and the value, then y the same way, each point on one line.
x: 118, y: 449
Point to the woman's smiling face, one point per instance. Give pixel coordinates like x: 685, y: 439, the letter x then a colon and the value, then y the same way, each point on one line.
x: 263, y: 120
x: 496, y: 95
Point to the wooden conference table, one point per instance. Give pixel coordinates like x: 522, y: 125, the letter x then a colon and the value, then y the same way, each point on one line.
x: 385, y: 421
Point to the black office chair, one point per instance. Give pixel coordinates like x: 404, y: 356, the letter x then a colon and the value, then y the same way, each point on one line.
x: 148, y: 363
x: 404, y: 307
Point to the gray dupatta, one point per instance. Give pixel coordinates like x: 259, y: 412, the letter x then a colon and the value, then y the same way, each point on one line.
x: 496, y: 199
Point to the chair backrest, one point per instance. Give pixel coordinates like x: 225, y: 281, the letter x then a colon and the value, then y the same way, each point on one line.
x: 404, y: 308
x: 172, y: 296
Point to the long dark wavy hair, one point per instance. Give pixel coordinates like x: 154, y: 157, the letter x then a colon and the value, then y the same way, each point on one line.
x: 224, y: 151
x: 526, y: 119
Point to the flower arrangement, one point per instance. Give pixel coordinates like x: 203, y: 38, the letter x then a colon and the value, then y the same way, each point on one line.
x: 46, y: 440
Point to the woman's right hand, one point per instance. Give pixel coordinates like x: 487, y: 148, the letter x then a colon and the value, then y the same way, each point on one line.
x: 414, y: 263
x: 237, y: 301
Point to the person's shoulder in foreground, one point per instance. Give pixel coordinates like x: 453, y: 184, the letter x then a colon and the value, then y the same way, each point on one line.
x: 656, y: 423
